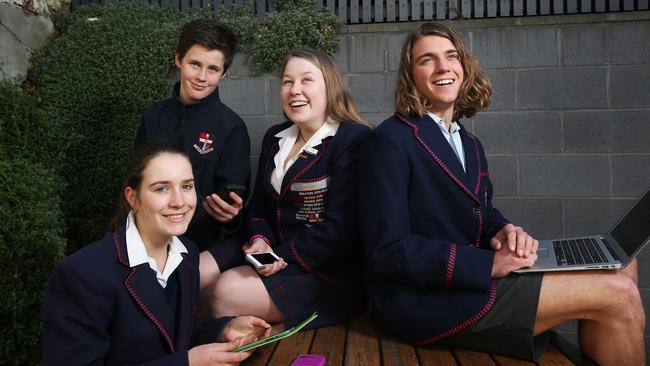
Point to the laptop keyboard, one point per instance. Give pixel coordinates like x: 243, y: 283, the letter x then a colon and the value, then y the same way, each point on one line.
x: 578, y: 251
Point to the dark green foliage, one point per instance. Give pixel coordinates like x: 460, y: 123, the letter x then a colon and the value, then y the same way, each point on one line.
x: 31, y: 242
x: 22, y: 132
x: 31, y: 233
x: 96, y: 79
x: 298, y: 23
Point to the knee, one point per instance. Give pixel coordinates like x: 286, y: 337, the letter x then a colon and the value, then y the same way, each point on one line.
x: 632, y: 271
x: 625, y: 301
x: 224, y: 294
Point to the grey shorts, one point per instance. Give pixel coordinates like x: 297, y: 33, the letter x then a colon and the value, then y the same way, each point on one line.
x: 508, y: 328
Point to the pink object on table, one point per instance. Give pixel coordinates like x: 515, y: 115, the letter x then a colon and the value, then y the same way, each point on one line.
x: 309, y: 360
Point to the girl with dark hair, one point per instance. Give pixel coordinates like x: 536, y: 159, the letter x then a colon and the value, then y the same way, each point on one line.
x: 440, y: 256
x: 132, y: 297
x: 303, y: 206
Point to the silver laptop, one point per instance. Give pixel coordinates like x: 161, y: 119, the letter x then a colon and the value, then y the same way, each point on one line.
x: 616, y: 249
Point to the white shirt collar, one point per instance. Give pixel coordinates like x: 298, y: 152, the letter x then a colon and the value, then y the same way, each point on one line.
x: 440, y: 121
x: 328, y: 128
x: 288, y: 137
x: 137, y: 252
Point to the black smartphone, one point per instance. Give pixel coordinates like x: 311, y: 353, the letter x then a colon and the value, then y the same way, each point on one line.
x: 224, y: 192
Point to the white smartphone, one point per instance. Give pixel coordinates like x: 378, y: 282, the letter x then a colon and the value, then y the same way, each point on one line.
x: 262, y: 259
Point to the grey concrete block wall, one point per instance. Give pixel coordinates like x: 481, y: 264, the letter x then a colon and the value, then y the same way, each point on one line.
x: 567, y: 134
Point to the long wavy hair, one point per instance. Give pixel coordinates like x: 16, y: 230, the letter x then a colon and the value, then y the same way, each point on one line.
x: 340, y: 103
x: 475, y: 92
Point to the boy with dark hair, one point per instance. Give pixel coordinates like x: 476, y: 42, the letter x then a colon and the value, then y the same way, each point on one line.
x: 215, y: 137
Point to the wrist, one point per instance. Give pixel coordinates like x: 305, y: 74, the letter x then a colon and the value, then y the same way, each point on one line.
x: 259, y: 237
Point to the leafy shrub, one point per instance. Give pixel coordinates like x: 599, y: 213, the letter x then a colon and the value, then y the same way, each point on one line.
x: 22, y: 132
x: 297, y: 23
x: 31, y: 242
x: 95, y: 80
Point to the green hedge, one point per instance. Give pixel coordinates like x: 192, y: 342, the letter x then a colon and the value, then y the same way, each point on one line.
x: 31, y: 233
x: 297, y: 23
x: 110, y: 63
x: 31, y: 242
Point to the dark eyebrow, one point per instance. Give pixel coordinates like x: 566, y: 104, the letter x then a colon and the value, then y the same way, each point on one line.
x: 168, y: 182
x: 159, y: 182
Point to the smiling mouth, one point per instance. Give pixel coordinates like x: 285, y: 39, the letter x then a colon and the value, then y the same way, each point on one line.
x: 298, y: 104
x: 443, y: 82
x: 197, y: 86
x: 176, y: 217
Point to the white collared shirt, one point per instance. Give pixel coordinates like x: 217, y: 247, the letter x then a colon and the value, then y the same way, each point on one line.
x: 452, y: 137
x: 288, y: 138
x: 138, y: 253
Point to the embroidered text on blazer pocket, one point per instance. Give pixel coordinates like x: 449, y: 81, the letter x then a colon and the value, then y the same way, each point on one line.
x: 309, y: 198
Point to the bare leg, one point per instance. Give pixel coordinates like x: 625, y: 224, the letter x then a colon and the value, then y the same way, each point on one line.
x: 208, y: 273
x: 608, y: 305
x: 632, y: 271
x: 240, y: 291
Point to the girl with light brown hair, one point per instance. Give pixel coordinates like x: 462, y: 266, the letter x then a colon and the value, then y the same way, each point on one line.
x: 303, y: 206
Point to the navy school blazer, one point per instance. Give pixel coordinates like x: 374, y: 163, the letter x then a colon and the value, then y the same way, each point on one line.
x: 311, y: 223
x: 99, y: 311
x: 426, y: 226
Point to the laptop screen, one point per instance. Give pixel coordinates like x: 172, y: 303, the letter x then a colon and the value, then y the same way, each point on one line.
x: 634, y: 229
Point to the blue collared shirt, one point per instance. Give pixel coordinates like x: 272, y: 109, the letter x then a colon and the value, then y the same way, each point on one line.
x: 453, y: 137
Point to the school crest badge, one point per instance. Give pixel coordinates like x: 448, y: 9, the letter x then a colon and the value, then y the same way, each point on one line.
x: 204, y: 145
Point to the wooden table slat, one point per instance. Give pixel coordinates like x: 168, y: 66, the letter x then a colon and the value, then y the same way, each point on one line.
x: 330, y: 342
x: 507, y: 361
x: 435, y: 356
x: 358, y: 344
x: 396, y: 353
x: 290, y: 347
x: 362, y: 346
x: 553, y: 357
x: 472, y: 358
x: 261, y: 356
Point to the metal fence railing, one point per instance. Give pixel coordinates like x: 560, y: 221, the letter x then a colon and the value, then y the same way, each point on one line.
x: 381, y: 11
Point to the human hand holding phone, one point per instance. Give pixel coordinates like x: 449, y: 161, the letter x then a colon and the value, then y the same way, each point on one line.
x: 266, y: 263
x: 220, y: 209
x: 257, y: 246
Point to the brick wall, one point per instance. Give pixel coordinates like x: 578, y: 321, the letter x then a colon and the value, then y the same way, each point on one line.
x: 568, y: 131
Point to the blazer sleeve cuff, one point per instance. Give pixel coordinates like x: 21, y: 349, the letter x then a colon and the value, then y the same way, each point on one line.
x: 469, y: 267
x: 210, y: 329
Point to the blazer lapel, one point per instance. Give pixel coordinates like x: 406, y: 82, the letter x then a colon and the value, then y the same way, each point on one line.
x: 472, y: 160
x: 433, y: 137
x: 146, y: 291
x: 429, y: 136
x: 270, y: 166
x: 302, y: 165
x: 186, y: 308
